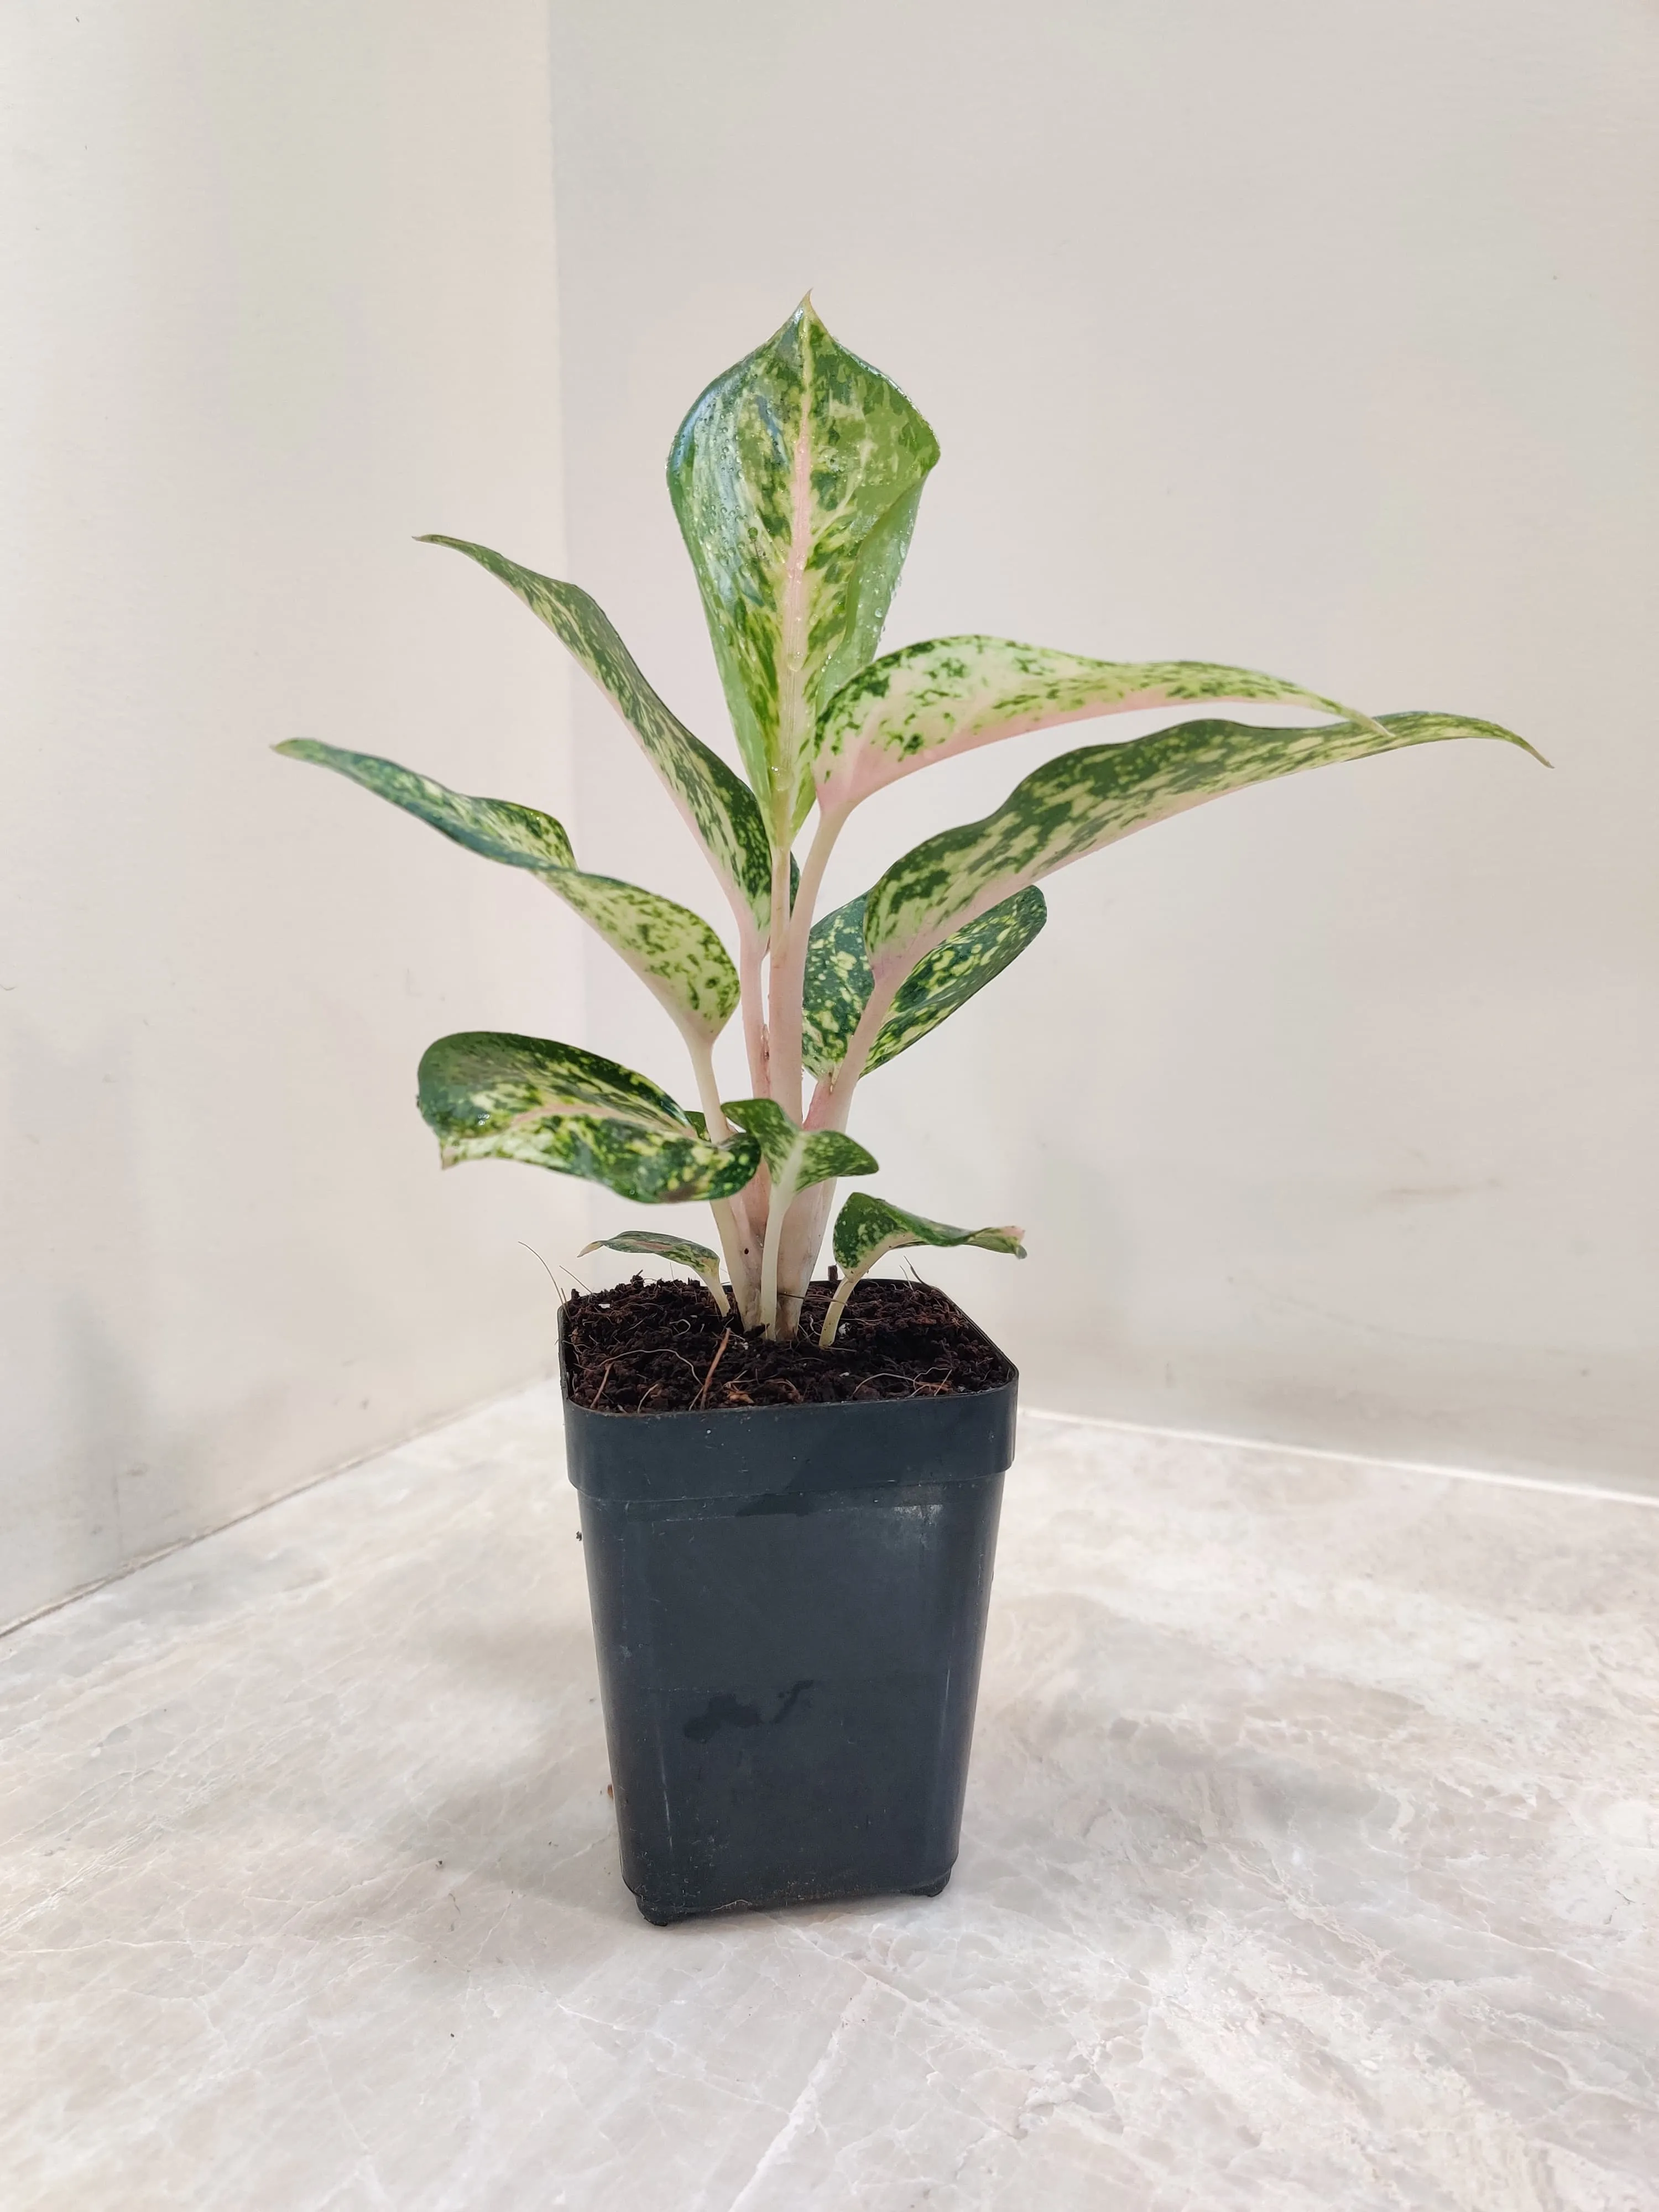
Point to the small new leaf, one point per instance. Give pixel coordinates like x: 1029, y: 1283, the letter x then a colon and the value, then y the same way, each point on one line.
x: 797, y: 1157
x: 928, y: 702
x: 838, y: 981
x: 678, y: 1249
x: 796, y: 479
x: 717, y: 804
x: 868, y: 1228
x: 673, y: 952
x: 488, y: 1094
x: 1091, y: 798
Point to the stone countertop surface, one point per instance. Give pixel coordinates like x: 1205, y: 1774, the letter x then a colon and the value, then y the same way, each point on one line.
x: 1309, y: 1861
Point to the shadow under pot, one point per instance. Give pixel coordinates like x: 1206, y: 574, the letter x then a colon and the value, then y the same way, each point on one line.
x: 789, y: 1609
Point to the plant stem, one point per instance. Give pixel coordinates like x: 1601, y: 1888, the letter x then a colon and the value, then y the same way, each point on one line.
x: 782, y: 1195
x: 776, y: 947
x: 709, y: 1089
x: 755, y: 1041
x: 798, y: 1245
x: 731, y: 1217
x: 787, y: 970
x: 833, y: 1100
x: 844, y: 1291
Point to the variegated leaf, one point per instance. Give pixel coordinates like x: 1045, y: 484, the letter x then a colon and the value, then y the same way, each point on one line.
x: 796, y: 478
x: 928, y: 702
x: 678, y: 1249
x: 500, y: 829
x: 868, y: 1228
x: 672, y: 950
x: 797, y: 1157
x: 1088, y: 799
x: 717, y: 804
x: 487, y: 1094
x: 838, y: 982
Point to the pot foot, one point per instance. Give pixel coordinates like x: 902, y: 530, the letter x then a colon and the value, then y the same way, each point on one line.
x: 661, y: 1916
x: 932, y: 1888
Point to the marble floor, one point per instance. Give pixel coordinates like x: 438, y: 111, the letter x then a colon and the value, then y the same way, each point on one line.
x: 1309, y: 1861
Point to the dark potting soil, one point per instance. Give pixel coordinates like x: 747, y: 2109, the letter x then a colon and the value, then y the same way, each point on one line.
x: 660, y: 1347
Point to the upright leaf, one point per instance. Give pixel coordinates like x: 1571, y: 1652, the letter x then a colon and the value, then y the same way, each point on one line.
x: 717, y: 804
x: 1086, y: 799
x: 487, y: 1094
x: 796, y: 479
x: 679, y: 1250
x: 867, y: 1228
x: 838, y: 982
x: 672, y: 950
x: 928, y: 702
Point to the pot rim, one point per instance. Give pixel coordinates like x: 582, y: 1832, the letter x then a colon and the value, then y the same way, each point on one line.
x: 701, y: 1413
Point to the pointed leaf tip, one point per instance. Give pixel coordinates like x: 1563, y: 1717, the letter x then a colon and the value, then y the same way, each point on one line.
x: 1081, y: 801
x: 947, y: 696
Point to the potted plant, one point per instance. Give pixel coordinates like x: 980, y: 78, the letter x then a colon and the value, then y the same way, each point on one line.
x: 789, y: 1500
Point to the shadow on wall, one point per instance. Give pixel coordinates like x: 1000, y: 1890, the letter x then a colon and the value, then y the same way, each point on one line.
x: 81, y: 1418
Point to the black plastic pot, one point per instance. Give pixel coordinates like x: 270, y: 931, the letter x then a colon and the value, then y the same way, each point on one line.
x: 789, y: 1607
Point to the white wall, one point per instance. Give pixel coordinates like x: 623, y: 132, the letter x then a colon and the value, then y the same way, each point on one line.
x: 279, y: 292
x: 1317, y: 338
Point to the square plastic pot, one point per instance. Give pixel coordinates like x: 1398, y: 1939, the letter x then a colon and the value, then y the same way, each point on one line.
x: 789, y: 1609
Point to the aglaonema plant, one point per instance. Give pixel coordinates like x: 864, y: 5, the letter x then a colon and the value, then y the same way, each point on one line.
x: 796, y: 479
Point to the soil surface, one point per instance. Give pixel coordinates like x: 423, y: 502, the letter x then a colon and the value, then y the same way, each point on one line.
x: 660, y: 1347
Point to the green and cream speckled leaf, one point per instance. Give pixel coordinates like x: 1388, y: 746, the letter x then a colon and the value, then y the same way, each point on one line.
x: 679, y: 1250
x: 867, y: 1228
x: 672, y: 950
x: 796, y: 479
x: 835, y: 987
x: 487, y: 1094
x: 500, y: 829
x: 717, y: 804
x: 839, y: 982
x: 797, y: 1158
x: 1088, y: 799
x: 928, y: 702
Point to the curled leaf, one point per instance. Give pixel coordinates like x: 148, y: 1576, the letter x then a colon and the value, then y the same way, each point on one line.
x: 797, y: 1157
x: 488, y: 1094
x: 867, y: 1228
